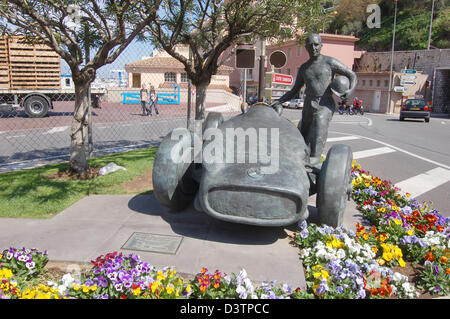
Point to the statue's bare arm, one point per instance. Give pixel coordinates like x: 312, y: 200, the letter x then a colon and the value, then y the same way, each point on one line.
x: 299, y: 82
x: 339, y: 68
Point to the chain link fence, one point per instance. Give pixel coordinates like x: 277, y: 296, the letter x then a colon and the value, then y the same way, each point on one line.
x: 118, y: 121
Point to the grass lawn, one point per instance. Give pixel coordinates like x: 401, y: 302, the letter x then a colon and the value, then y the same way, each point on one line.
x: 32, y: 194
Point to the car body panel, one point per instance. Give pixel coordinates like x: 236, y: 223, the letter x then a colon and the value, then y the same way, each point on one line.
x: 241, y: 192
x: 415, y: 108
x: 296, y: 103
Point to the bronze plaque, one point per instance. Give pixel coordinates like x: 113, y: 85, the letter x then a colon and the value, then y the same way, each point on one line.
x: 156, y: 243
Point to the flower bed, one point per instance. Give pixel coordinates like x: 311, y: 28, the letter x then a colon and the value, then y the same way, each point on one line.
x: 339, y: 263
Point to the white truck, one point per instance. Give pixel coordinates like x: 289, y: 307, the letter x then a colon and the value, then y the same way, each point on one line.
x: 30, y: 78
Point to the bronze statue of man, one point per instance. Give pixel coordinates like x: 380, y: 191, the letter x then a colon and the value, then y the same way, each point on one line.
x: 317, y: 74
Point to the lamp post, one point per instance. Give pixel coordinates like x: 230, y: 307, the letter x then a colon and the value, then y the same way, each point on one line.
x: 431, y: 26
x: 392, y: 62
x: 262, y: 60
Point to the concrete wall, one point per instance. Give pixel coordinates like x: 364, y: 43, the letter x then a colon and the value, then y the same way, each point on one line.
x: 421, y: 60
x: 441, y: 91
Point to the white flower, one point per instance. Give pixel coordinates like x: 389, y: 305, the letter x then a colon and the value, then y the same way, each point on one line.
x: 30, y: 265
x: 399, y: 277
x: 305, y: 252
x: 249, y: 285
x: 340, y: 253
x: 243, y: 273
x: 242, y: 292
x: 62, y: 289
x: 67, y: 279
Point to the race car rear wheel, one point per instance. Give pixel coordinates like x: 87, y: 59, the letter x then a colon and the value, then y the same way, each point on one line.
x: 334, y: 185
x: 173, y: 182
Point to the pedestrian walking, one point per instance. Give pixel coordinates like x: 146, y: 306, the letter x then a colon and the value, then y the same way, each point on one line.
x: 153, y: 101
x: 144, y: 98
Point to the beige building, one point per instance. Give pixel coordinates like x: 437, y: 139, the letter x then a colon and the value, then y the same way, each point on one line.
x: 433, y: 67
x: 373, y: 90
x: 162, y: 70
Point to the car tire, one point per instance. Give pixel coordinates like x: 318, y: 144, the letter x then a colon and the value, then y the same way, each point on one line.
x: 427, y: 120
x: 334, y: 185
x: 173, y: 182
x: 36, y: 106
x: 402, y: 118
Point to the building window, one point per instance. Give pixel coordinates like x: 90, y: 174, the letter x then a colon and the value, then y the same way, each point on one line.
x: 289, y: 53
x: 299, y: 51
x: 363, y: 82
x: 184, y: 77
x: 68, y: 82
x: 288, y: 71
x: 170, y: 77
x: 378, y: 83
x: 386, y: 83
x: 370, y: 82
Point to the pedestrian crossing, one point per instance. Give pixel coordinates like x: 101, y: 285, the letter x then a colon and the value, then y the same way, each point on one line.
x: 418, y: 183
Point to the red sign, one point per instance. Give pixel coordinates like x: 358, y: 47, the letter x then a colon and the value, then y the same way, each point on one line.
x: 282, y: 79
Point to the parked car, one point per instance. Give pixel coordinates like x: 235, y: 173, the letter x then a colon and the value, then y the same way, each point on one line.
x: 415, y: 108
x: 296, y: 103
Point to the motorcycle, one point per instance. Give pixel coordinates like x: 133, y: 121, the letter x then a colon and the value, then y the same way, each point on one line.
x: 358, y: 109
x: 344, y: 108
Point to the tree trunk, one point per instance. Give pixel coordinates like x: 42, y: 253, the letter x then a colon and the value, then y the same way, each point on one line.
x: 200, y: 98
x: 79, y: 129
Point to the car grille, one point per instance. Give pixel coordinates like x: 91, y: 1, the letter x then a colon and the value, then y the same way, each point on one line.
x: 253, y: 203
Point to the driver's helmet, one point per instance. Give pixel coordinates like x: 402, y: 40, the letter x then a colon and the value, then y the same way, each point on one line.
x: 340, y: 85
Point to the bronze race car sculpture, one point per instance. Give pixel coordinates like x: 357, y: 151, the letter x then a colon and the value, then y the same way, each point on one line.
x: 248, y: 192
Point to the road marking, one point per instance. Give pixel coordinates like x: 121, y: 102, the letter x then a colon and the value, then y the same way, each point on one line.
x: 342, y: 138
x: 372, y: 152
x: 368, y: 123
x: 397, y: 149
x: 425, y: 182
x: 14, y: 136
x: 56, y: 130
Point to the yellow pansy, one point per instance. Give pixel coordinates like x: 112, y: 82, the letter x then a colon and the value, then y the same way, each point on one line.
x: 381, y: 261
x: 334, y: 243
x: 398, y: 221
x: 137, y: 291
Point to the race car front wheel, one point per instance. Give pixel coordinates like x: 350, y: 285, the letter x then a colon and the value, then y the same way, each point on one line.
x: 334, y: 185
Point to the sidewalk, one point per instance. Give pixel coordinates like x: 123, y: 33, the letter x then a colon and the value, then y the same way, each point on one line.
x: 100, y: 224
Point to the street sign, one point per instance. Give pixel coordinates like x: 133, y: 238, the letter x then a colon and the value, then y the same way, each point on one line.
x: 278, y: 78
x: 407, y: 83
x: 407, y: 77
x: 400, y: 89
x: 278, y: 59
x: 245, y: 58
x: 406, y: 71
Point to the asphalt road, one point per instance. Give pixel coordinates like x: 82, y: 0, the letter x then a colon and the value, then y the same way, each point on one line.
x: 413, y: 154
